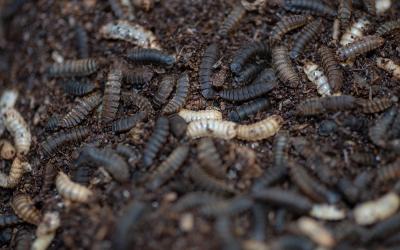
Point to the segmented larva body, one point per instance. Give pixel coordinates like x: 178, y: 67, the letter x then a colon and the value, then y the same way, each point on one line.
x: 72, y: 191
x: 156, y: 141
x: 178, y: 125
x: 309, y: 107
x: 137, y: 76
x: 388, y: 27
x: 370, y: 6
x: 356, y: 31
x: 181, y: 94
x: 232, y: 19
x: 331, y: 68
x: 53, y: 122
x: 389, y: 172
x: 287, y: 24
x: 52, y: 143
x: 317, y: 76
x: 359, y: 47
x: 249, y: 72
x: 208, y: 60
x: 82, y: 41
x: 80, y: 67
x: 231, y: 207
x: 248, y: 51
x: 139, y: 101
x: 24, y: 208
x: 260, y: 130
x: 245, y: 110
x: 305, y: 36
x: 374, y: 106
x: 212, y: 128
x: 279, y: 149
x: 378, y: 131
x: 81, y: 110
x: 78, y: 88
x: 14, y: 176
x: 46, y: 230
x: 9, y: 220
x: 314, y: 7
x: 193, y: 200
x: 18, y: 128
x: 112, y: 95
x: 7, y: 150
x: 151, y: 56
x: 49, y: 175
x: 128, y: 122
x: 164, y: 91
x: 208, y: 183
x: 209, y: 158
x: 168, y: 168
x: 191, y: 115
x: 389, y: 66
x: 344, y: 12
x: 23, y: 239
x: 284, y: 67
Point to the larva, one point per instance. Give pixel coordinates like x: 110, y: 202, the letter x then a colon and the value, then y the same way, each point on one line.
x: 305, y: 36
x: 389, y: 66
x: 315, y: 106
x: 314, y: 7
x: 359, y: 47
x: 79, y: 67
x: 231, y: 207
x: 46, y: 231
x: 369, y: 5
x: 377, y: 133
x: 7, y: 150
x: 249, y: 72
x: 316, y: 76
x: 81, y: 110
x: 245, y: 110
x: 164, y: 91
x: 52, y: 143
x: 7, y: 220
x: 232, y: 19
x: 139, y: 101
x: 72, y: 191
x: 388, y: 28
x: 23, y: 239
x: 178, y: 125
x: 260, y: 130
x: 279, y: 149
x: 18, y: 128
x: 126, y: 123
x: 283, y: 66
x: 49, y: 175
x: 193, y: 200
x: 78, y: 88
x: 156, y: 141
x: 111, y: 97
x: 131, y: 154
x: 14, y: 176
x: 384, y: 229
x: 137, y: 76
x: 82, y: 42
x: 81, y: 175
x: 107, y: 158
x: 208, y: 60
x: 270, y: 176
x: 355, y: 31
x: 389, y: 172
x: 167, y: 169
x: 181, y: 93
x: 344, y: 11
x: 151, y: 56
x: 287, y: 24
x: 331, y: 68
x: 375, y: 105
x: 24, y: 208
x: 212, y: 128
x: 210, y: 159
x: 191, y: 115
x: 248, y: 51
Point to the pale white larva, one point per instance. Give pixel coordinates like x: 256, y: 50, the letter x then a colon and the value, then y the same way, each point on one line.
x: 7, y: 100
x: 316, y: 231
x: 260, y: 130
x: 191, y: 115
x: 212, y: 128
x: 70, y: 190
x: 46, y: 231
x: 317, y: 76
x: 389, y: 66
x: 355, y: 31
x: 327, y: 212
x: 19, y: 130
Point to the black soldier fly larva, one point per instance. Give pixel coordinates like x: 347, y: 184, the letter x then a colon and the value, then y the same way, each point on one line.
x: 212, y: 128
x: 383, y: 229
x: 46, y: 230
x: 181, y: 94
x: 232, y: 19
x: 165, y: 89
x: 23, y: 239
x: 359, y: 47
x: 150, y: 56
x: 14, y: 176
x: 7, y: 220
x: 156, y: 141
x: 191, y: 115
x: 122, y: 9
x: 317, y: 76
x: 279, y: 149
x: 249, y: 72
x: 25, y: 209
x: 242, y: 112
x: 248, y: 51
x: 178, y: 125
x: 388, y: 28
x: 287, y: 24
x: 81, y: 174
x: 284, y: 67
x: 209, y: 158
x: 315, y: 106
x: 18, y: 128
x: 129, y: 153
x: 70, y: 190
x: 146, y: 5
x: 193, y: 200
x: 331, y: 68
x: 49, y: 174
x: 126, y: 123
x: 82, y: 42
x: 305, y: 37
x: 374, y: 106
x: 78, y: 88
x: 80, y: 67
x: 260, y: 130
x: 137, y: 76
x: 389, y: 65
x: 377, y: 132
x: 230, y: 207
x: 141, y: 102
x: 208, y: 60
x: 314, y: 7
x: 112, y: 95
x: 355, y: 31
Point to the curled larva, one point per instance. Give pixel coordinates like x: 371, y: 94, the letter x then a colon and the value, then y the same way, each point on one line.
x: 126, y: 123
x: 249, y: 72
x: 317, y: 76
x: 359, y: 47
x: 132, y: 97
x: 178, y: 125
x: 46, y: 231
x: 377, y: 133
x: 129, y: 32
x: 287, y: 24
x: 25, y: 209
x: 16, y: 125
x: 284, y: 67
x: 314, y: 7
x: 78, y: 88
x: 80, y: 67
x: 344, y: 11
x: 7, y: 220
x: 212, y: 128
x: 52, y: 143
x: 331, y: 68
x: 137, y: 76
x: 305, y: 37
x: 181, y: 94
x: 375, y: 105
x: 7, y: 150
x: 355, y: 31
x: 111, y: 97
x: 389, y: 66
x: 13, y: 178
x: 232, y: 19
x: 248, y: 51
x: 165, y: 89
x: 150, y: 56
x: 156, y: 141
x: 260, y: 130
x: 81, y: 38
x: 208, y: 60
x: 388, y: 28
x: 72, y: 191
x: 245, y: 110
x: 81, y: 110
x: 131, y: 154
x: 210, y: 159
x: 191, y: 115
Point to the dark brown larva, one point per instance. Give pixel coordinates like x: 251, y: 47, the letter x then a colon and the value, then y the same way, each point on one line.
x: 193, y: 200
x: 81, y: 110
x: 287, y: 24
x: 314, y: 7
x: 344, y: 12
x: 156, y: 141
x: 208, y: 60
x: 245, y: 110
x: 126, y: 123
x: 369, y: 5
x: 315, y: 106
x: 249, y: 72
x: 7, y: 220
x: 167, y: 169
x: 389, y: 172
x: 111, y: 98
x: 151, y: 56
x: 209, y: 158
x: 181, y: 94
x: 311, y: 106
x: 331, y: 68
x: 52, y: 143
x: 359, y: 47
x: 388, y: 27
x: 305, y: 36
x: 284, y: 67
x: 279, y: 149
x: 48, y: 179
x: 53, y: 122
x: 141, y: 102
x: 374, y: 106
x: 247, y: 52
x: 164, y: 91
x: 377, y: 133
x: 232, y: 19
x: 78, y: 88
x: 80, y: 67
x: 178, y: 125
x: 25, y: 209
x: 137, y: 76
x: 82, y: 41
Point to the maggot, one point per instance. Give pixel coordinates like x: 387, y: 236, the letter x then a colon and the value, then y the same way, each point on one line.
x: 317, y: 76
x: 18, y: 128
x: 72, y: 191
x: 46, y: 231
x: 150, y: 56
x: 208, y: 60
x: 355, y: 31
x: 248, y: 51
x: 80, y: 67
x: 245, y: 110
x: 156, y: 141
x: 191, y: 115
x: 137, y: 76
x: 284, y: 67
x: 287, y: 24
x: 24, y: 208
x: 232, y: 19
x: 181, y: 94
x: 388, y: 28
x: 7, y: 150
x: 314, y: 7
x: 279, y: 149
x: 212, y: 128
x: 126, y: 123
x: 210, y: 159
x: 389, y: 66
x: 344, y: 11
x: 138, y: 100
x: 78, y: 88
x: 331, y: 68
x: 7, y: 100
x: 305, y: 37
x: 14, y: 177
x: 165, y: 89
x: 374, y: 106
x: 112, y: 95
x: 359, y: 47
x: 260, y: 130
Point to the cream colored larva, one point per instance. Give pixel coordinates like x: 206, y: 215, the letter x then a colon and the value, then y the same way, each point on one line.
x: 355, y: 31
x: 316, y: 231
x: 382, y: 6
x: 18, y: 128
x: 70, y: 190
x: 317, y: 76
x: 389, y: 66
x: 260, y: 130
x: 13, y: 178
x: 7, y: 100
x: 46, y: 231
x: 191, y: 115
x: 212, y: 128
x: 327, y: 212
